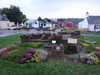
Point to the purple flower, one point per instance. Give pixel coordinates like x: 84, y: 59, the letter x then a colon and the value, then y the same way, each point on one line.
x: 5, y: 51
x: 23, y: 60
x: 97, y: 54
x: 30, y: 50
x: 78, y: 47
x: 28, y: 56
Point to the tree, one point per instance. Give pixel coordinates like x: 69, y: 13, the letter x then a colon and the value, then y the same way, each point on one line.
x: 4, y: 10
x: 14, y: 14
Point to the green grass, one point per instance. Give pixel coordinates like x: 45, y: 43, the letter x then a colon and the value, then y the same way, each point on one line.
x: 48, y: 68
x: 93, y: 38
x: 90, y: 32
x: 8, y: 40
x: 86, y: 32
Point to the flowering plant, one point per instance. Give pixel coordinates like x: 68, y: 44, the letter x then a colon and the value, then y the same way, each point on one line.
x: 89, y: 58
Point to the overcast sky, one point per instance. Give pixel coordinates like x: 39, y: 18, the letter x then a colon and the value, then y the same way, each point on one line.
x: 55, y: 8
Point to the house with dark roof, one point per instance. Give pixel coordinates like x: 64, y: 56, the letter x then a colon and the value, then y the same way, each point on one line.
x: 40, y: 23
x: 69, y: 23
x: 90, y: 23
x: 4, y: 22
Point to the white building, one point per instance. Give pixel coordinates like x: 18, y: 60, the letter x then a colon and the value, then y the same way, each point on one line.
x: 40, y: 23
x: 4, y: 22
x: 90, y: 23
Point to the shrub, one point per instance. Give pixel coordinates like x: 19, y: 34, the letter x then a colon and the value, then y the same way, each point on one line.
x: 31, y: 44
x: 4, y: 51
x: 78, y: 48
x: 89, y: 58
x: 28, y: 56
x: 38, y: 56
x: 85, y: 44
x: 30, y: 50
x: 90, y: 49
x: 23, y: 60
x: 80, y: 43
x: 14, y: 55
x: 35, y: 58
x: 82, y: 38
x: 96, y: 60
x: 42, y: 55
x: 58, y: 38
x: 98, y: 55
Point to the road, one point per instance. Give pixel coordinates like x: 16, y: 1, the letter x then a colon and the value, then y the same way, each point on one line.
x: 4, y: 33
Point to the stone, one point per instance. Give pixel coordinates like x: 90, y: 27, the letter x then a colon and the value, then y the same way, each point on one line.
x: 57, y: 50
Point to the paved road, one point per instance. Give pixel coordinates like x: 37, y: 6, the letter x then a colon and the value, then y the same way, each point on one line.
x: 4, y: 33
x: 12, y: 32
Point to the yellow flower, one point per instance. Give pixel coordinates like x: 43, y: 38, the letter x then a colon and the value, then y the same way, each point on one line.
x: 85, y: 44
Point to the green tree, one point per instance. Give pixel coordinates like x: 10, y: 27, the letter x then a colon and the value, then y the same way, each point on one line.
x: 14, y: 14
x: 4, y: 10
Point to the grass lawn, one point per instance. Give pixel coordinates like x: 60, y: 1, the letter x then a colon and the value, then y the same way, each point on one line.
x: 85, y: 32
x: 48, y: 68
x: 8, y: 40
x: 93, y: 38
x: 89, y: 32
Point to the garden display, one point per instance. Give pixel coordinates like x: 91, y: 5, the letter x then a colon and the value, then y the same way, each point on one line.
x: 36, y: 48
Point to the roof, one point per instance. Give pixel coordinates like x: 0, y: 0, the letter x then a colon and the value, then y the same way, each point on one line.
x: 93, y: 19
x: 53, y: 19
x: 75, y: 20
x: 3, y: 18
x: 30, y: 20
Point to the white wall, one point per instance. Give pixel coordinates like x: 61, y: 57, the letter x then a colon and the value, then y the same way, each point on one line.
x: 83, y: 24
x: 5, y: 24
x: 35, y: 25
x: 91, y: 27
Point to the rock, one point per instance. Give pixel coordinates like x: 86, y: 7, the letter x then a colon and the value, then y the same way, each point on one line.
x: 57, y: 51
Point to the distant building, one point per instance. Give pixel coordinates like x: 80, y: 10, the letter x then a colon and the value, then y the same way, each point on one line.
x: 40, y: 23
x: 90, y: 23
x: 70, y: 23
x: 4, y: 22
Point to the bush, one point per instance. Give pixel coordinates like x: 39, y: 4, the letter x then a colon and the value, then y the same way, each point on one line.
x: 39, y: 56
x: 89, y: 58
x: 31, y: 44
x: 82, y: 38
x: 23, y: 60
x: 14, y: 55
x: 98, y: 55
x: 28, y: 54
x: 42, y: 55
x: 78, y: 48
x: 80, y: 43
x: 30, y: 50
x: 90, y: 49
x: 4, y: 51
x: 58, y: 38
x: 85, y: 44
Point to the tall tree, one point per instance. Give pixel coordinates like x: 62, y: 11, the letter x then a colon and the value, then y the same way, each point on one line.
x: 14, y: 14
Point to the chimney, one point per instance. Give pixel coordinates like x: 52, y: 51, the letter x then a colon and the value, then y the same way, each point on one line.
x: 87, y: 14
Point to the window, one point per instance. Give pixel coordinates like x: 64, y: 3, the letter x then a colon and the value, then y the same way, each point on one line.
x: 8, y: 24
x: 44, y: 24
x: 97, y: 27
